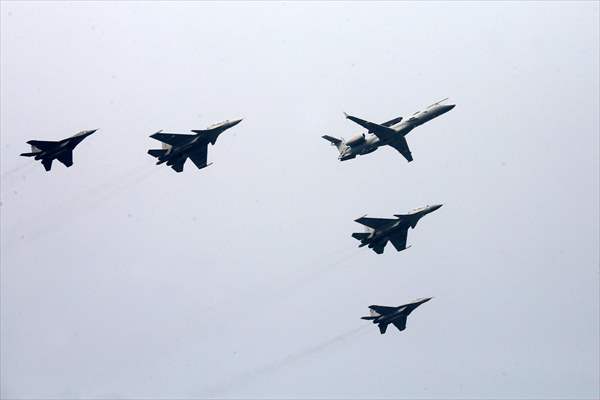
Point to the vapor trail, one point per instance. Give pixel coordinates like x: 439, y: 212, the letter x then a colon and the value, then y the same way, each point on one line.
x: 248, y: 376
x: 85, y: 202
x: 9, y: 175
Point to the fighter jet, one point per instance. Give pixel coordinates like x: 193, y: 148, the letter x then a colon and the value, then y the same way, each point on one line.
x: 381, y: 230
x: 383, y: 315
x: 390, y: 133
x: 178, y: 147
x: 61, y: 150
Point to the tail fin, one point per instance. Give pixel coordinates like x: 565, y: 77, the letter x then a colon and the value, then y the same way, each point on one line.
x: 382, y: 328
x: 157, y: 152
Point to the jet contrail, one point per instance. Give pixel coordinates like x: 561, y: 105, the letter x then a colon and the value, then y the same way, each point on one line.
x: 281, y: 363
x: 9, y: 176
x: 86, y: 201
x: 328, y: 267
x: 285, y: 291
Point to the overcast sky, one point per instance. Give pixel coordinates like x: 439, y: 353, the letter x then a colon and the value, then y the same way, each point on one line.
x: 120, y: 278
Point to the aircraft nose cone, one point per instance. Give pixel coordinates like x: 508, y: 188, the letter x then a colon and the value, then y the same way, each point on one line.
x: 236, y: 121
x: 436, y: 207
x: 450, y: 107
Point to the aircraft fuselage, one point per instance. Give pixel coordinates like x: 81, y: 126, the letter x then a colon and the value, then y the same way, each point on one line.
x: 403, y: 222
x: 371, y: 142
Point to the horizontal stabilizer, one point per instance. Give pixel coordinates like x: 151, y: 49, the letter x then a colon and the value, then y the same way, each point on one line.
x: 157, y: 152
x: 360, y: 235
x: 332, y: 140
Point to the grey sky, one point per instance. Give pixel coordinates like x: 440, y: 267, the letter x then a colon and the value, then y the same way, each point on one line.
x: 124, y: 279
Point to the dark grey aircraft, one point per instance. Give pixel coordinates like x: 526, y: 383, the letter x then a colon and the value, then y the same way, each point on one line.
x: 61, y: 150
x: 178, y: 147
x: 391, y: 133
x: 383, y: 315
x: 381, y: 230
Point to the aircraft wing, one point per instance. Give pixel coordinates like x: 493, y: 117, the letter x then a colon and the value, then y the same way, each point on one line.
x: 47, y: 163
x: 66, y: 158
x: 382, y: 328
x: 43, y: 145
x: 374, y: 223
x: 400, y: 323
x: 178, y: 165
x: 199, y: 157
x: 172, y: 138
x: 399, y: 143
x: 379, y: 247
x: 204, y: 131
x: 392, y: 121
x: 382, y: 310
x: 399, y: 239
x: 384, y: 133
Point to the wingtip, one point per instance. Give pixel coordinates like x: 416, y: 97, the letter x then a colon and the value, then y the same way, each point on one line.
x: 362, y: 216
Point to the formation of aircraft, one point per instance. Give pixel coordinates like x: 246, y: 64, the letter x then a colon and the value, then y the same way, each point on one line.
x: 177, y: 148
x: 391, y: 133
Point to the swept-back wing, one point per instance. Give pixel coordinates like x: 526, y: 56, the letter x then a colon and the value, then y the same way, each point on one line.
x: 374, y: 223
x: 400, y: 323
x: 379, y: 247
x: 392, y: 121
x: 47, y: 163
x: 399, y: 239
x: 199, y: 157
x: 178, y: 165
x: 202, y: 130
x: 384, y: 133
x: 382, y: 310
x: 66, y: 158
x: 173, y: 139
x: 43, y: 145
x: 399, y: 143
